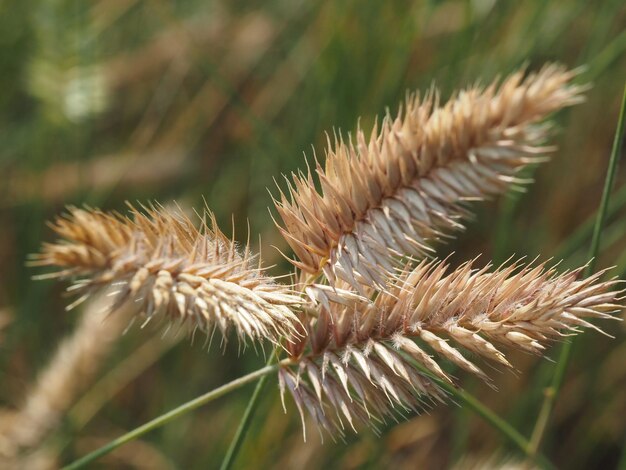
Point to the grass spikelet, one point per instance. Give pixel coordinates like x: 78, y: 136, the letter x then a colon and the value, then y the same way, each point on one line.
x: 387, y: 195
x: 358, y: 360
x: 160, y: 261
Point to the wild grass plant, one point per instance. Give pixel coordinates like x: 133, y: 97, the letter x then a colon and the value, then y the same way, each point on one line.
x: 369, y: 334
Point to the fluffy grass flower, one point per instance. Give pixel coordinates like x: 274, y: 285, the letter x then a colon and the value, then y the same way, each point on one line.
x: 159, y: 260
x: 359, y: 359
x: 387, y: 195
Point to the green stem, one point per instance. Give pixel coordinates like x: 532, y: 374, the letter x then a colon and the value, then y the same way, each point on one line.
x: 622, y: 461
x: 470, y: 401
x: 580, y: 236
x: 490, y: 417
x: 553, y: 390
x: 244, y: 425
x: 173, y: 414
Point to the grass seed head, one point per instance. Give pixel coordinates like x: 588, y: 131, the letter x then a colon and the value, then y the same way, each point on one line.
x: 359, y: 360
x: 408, y: 183
x: 159, y: 260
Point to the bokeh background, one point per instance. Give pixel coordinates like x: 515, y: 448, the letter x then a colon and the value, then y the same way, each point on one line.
x: 109, y: 101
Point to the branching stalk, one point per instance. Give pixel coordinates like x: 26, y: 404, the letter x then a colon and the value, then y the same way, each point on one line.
x: 472, y: 402
x: 173, y: 414
x: 244, y: 424
x: 499, y: 424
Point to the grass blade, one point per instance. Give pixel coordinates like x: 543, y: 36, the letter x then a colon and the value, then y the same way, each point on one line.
x: 244, y: 424
x: 171, y: 415
x: 552, y: 391
x: 505, y: 428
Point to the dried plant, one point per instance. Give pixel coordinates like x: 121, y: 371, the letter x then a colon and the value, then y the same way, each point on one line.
x: 385, y: 196
x: 380, y: 313
x: 166, y: 266
x: 358, y: 358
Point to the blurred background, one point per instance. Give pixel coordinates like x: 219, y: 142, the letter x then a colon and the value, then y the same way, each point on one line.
x: 109, y: 101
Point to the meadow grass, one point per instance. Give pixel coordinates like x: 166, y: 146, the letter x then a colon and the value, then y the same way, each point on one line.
x: 134, y: 102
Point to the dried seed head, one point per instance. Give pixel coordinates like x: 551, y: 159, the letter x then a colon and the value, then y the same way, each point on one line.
x: 170, y: 268
x: 359, y: 358
x: 387, y: 196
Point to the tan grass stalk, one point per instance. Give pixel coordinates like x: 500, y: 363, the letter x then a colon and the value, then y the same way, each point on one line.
x: 408, y: 183
x: 70, y: 371
x: 5, y: 320
x: 168, y: 268
x: 357, y: 359
x: 41, y: 459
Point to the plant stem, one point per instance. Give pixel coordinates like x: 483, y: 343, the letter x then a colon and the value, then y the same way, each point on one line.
x: 580, y: 236
x: 473, y: 403
x: 501, y: 425
x: 244, y: 425
x: 171, y: 415
x: 552, y: 392
x: 489, y: 416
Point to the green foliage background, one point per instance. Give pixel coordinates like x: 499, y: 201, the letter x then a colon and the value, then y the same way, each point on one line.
x: 107, y: 101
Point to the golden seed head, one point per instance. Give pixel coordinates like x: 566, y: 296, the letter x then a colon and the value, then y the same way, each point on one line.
x: 409, y: 182
x: 170, y: 268
x: 359, y: 358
